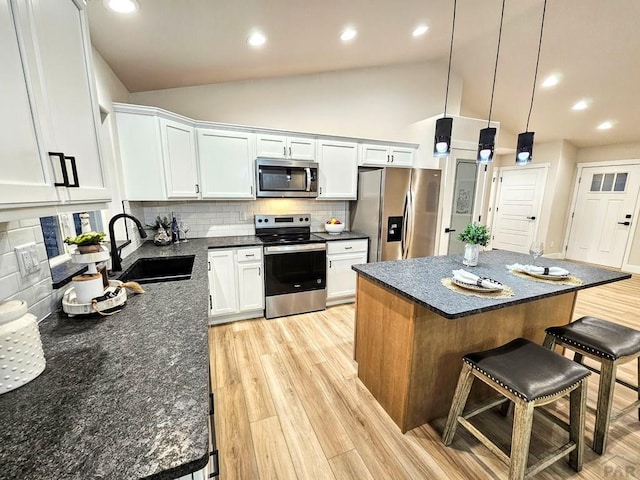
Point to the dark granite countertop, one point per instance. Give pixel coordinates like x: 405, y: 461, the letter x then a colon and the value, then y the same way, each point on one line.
x: 418, y: 279
x: 341, y: 236
x: 233, y: 241
x: 121, y: 397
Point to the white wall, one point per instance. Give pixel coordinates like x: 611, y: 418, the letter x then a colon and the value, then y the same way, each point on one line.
x: 378, y: 102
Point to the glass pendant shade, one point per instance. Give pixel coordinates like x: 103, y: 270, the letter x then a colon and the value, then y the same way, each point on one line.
x: 442, y: 139
x: 524, y: 152
x: 486, y: 145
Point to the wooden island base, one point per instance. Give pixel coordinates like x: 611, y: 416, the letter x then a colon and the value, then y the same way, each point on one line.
x: 410, y: 357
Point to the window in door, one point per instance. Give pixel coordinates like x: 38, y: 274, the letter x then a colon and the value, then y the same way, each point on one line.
x: 609, y: 182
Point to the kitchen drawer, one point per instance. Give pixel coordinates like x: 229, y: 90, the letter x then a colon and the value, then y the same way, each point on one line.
x: 249, y: 254
x: 346, y: 246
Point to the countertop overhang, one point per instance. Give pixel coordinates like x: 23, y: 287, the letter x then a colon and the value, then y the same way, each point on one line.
x: 419, y: 280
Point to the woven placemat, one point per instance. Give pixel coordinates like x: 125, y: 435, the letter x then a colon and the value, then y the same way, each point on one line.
x: 506, y: 291
x: 571, y: 280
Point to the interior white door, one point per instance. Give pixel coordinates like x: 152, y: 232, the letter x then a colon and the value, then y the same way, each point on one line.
x: 601, y: 223
x: 517, y: 214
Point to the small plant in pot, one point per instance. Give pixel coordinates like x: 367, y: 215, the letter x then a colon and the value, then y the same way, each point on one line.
x: 89, y: 242
x: 474, y: 235
x: 161, y: 228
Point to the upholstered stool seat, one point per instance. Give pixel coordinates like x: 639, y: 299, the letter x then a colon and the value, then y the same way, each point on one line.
x: 610, y: 344
x: 529, y: 375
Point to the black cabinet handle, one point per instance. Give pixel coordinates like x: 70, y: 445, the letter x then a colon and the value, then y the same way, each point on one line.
x: 624, y: 223
x: 449, y: 230
x: 531, y: 218
x: 74, y: 170
x: 211, y: 405
x: 197, y: 188
x: 210, y: 303
x: 63, y: 169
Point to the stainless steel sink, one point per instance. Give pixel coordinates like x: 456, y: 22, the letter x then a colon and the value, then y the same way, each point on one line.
x: 159, y: 269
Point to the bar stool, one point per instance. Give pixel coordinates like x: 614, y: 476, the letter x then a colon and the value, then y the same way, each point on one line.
x: 530, y: 376
x: 610, y: 344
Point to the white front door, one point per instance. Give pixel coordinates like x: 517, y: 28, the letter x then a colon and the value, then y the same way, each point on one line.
x: 517, y: 214
x: 603, y: 213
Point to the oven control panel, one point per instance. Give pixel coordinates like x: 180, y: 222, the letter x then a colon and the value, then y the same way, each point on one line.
x: 283, y: 221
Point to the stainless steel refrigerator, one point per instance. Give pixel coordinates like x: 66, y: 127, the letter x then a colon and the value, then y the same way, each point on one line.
x: 398, y: 209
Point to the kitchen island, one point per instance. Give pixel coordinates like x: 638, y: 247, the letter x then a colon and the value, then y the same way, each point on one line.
x: 121, y: 397
x: 411, y: 331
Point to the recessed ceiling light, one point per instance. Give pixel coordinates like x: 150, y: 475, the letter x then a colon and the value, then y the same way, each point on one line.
x: 605, y: 125
x: 348, y: 34
x: 581, y: 105
x: 122, y: 6
x: 420, y: 30
x: 256, y: 40
x: 551, y: 80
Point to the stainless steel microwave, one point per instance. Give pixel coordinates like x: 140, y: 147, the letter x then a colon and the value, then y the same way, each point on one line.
x: 286, y: 178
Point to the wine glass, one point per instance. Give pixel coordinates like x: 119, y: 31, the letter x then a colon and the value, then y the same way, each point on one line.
x: 536, y: 249
x: 185, y: 228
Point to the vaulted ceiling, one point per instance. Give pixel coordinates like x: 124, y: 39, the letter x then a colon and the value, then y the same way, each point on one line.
x: 593, y: 44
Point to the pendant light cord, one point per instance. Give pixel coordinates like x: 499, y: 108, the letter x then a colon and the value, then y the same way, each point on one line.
x: 495, y: 70
x: 453, y: 27
x: 535, y: 75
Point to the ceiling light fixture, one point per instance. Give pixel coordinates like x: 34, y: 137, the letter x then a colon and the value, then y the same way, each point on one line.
x: 122, y: 6
x: 581, y: 105
x: 487, y: 140
x: 420, y: 30
x: 605, y: 125
x: 257, y: 39
x: 524, y: 149
x: 348, y: 34
x: 551, y: 81
x: 444, y: 125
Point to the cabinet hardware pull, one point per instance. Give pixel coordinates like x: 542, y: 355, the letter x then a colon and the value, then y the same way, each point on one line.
x: 387, y: 158
x: 210, y: 303
x: 259, y: 271
x: 289, y: 151
x: 249, y: 254
x: 197, y: 188
x: 348, y: 248
x: 251, y: 189
x: 209, y: 265
x: 63, y: 169
x: 74, y: 171
x: 284, y: 151
x: 391, y: 158
x: 329, y: 263
x: 320, y: 190
x: 211, y: 405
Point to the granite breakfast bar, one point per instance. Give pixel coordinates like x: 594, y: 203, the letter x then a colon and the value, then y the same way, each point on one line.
x: 411, y: 331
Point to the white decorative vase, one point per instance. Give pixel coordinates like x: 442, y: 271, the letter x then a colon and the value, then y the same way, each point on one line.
x: 471, y: 254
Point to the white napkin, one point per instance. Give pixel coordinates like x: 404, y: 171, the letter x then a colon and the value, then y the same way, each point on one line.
x: 552, y: 271
x: 468, y: 277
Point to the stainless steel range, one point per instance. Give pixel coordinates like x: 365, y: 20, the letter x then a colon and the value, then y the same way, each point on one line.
x: 295, y: 265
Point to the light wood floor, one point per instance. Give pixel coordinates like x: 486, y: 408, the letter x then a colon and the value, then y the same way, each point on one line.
x: 289, y: 405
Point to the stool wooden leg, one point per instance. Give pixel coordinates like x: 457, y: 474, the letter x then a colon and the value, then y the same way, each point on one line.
x: 549, y: 342
x: 457, y: 404
x: 605, y: 400
x: 520, y: 439
x: 577, y: 410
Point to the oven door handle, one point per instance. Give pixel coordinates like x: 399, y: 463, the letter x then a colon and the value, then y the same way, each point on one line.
x: 308, y: 247
x: 308, y: 170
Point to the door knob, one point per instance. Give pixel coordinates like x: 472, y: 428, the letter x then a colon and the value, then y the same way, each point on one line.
x: 624, y: 223
x: 449, y: 230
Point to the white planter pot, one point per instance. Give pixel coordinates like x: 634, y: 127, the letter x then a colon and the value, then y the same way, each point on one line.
x: 471, y: 251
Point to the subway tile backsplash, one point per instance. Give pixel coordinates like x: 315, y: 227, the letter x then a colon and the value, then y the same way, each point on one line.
x: 36, y: 288
x: 224, y: 218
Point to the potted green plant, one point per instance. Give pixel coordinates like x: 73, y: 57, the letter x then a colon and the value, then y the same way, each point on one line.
x: 89, y: 242
x: 474, y: 235
x: 161, y: 228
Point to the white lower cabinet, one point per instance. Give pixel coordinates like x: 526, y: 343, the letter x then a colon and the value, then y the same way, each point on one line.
x: 236, y: 286
x: 341, y: 279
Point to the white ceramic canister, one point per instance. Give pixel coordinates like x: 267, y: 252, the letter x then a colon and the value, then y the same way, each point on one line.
x: 87, y: 287
x: 21, y: 355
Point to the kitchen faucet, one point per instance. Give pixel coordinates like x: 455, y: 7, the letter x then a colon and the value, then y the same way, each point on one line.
x: 116, y: 264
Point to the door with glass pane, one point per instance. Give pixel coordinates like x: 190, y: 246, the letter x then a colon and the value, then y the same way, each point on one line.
x: 463, y: 204
x: 603, y: 214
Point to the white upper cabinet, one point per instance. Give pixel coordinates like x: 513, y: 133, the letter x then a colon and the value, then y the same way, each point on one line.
x: 386, y: 156
x: 25, y: 176
x: 226, y: 164
x: 141, y: 156
x: 279, y: 146
x: 180, y: 164
x: 338, y: 170
x: 57, y: 54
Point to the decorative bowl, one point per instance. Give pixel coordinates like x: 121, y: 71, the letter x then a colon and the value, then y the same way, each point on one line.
x: 334, y: 228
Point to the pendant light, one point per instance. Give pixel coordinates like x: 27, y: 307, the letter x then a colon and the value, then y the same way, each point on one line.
x: 487, y: 141
x: 524, y: 151
x: 444, y: 126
